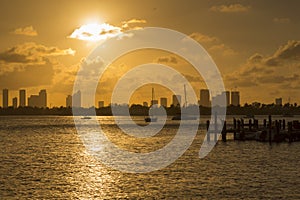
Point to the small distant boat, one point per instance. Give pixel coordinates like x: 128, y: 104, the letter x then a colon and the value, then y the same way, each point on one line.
x: 151, y: 119
x: 287, y: 115
x: 86, y: 117
x: 184, y: 116
x: 179, y: 117
x: 249, y: 116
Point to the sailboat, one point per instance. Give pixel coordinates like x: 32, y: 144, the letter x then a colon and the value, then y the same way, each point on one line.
x: 184, y: 116
x: 151, y: 118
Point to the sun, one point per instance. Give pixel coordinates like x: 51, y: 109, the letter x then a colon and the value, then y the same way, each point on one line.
x: 95, y: 32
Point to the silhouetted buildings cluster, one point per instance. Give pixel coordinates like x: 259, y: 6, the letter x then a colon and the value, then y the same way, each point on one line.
x: 39, y: 101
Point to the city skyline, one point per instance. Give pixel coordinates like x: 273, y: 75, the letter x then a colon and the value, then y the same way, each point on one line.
x: 259, y: 62
x: 40, y: 100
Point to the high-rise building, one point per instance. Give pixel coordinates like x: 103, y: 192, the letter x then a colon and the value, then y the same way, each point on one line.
x: 145, y: 104
x: 76, y: 100
x: 278, y: 101
x: 15, y: 102
x: 176, y: 100
x: 39, y: 101
x: 5, y: 98
x: 69, y: 101
x: 100, y: 104
x: 204, y: 98
x: 235, y: 98
x: 22, y: 98
x: 43, y: 98
x: 164, y: 102
x: 154, y: 102
x: 227, y: 97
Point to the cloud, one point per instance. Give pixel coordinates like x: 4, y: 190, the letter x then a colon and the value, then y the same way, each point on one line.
x: 201, y: 38
x: 99, y: 32
x: 95, y: 32
x: 232, y: 8
x: 167, y: 59
x: 132, y: 24
x: 281, y: 20
x: 281, y: 68
x: 31, y: 53
x: 27, y: 31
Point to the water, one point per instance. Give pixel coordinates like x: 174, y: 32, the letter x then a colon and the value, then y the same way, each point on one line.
x: 43, y: 157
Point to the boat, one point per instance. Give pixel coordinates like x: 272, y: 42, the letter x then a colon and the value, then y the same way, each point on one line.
x: 86, y: 117
x: 184, y: 116
x: 151, y: 118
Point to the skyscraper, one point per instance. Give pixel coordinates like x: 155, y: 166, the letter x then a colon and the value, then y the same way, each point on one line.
x: 278, y: 101
x: 164, y: 102
x: 204, y: 98
x: 39, y: 101
x: 22, y: 98
x: 176, y: 100
x: 227, y: 97
x: 235, y: 98
x: 5, y: 98
x: 69, y: 101
x: 15, y: 102
x: 100, y: 104
x: 43, y: 98
x: 76, y: 100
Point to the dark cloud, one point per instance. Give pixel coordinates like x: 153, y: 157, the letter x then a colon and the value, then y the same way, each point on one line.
x: 31, y: 53
x: 30, y: 76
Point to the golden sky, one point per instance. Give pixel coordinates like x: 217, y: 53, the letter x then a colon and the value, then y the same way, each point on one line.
x: 255, y: 44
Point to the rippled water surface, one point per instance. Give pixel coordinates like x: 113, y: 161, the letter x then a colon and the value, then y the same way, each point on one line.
x: 43, y: 157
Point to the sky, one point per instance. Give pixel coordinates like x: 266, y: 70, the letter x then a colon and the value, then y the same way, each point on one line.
x: 255, y: 44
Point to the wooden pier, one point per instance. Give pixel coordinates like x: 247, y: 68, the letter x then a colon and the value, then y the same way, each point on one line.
x: 269, y: 131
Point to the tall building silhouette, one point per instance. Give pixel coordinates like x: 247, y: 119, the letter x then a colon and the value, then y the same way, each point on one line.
x: 39, y: 101
x: 5, y: 98
x: 176, y: 100
x: 22, y: 98
x: 43, y: 98
x: 235, y: 98
x: 164, y: 102
x: 204, y: 98
x: 100, y: 104
x: 69, y: 101
x: 278, y: 101
x: 145, y: 104
x: 76, y: 100
x: 15, y: 102
x: 227, y: 97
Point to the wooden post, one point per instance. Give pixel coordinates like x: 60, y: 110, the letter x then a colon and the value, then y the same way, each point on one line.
x: 239, y: 128
x: 250, y: 124
x: 234, y: 128
x: 216, y: 127
x: 280, y: 122
x: 208, y: 133
x: 265, y: 123
x: 270, y: 129
x: 224, y: 132
x: 290, y: 126
x: 283, y: 124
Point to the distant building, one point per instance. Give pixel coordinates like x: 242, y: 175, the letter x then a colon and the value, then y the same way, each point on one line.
x: 164, y: 102
x: 235, y: 98
x: 154, y: 102
x: 5, y: 98
x: 145, y: 104
x: 204, y: 98
x: 22, y: 98
x: 76, y: 100
x: 100, y: 104
x: 15, y: 102
x: 39, y: 101
x: 227, y: 97
x: 278, y: 101
x: 69, y: 101
x: 176, y: 100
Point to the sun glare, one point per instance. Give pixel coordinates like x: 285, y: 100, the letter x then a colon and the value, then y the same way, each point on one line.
x: 95, y: 32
